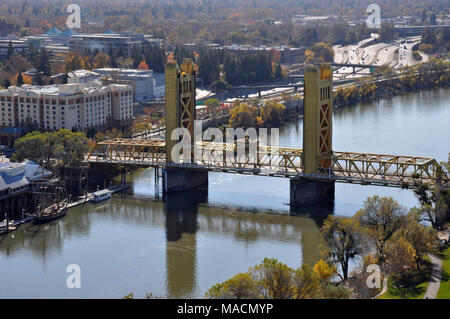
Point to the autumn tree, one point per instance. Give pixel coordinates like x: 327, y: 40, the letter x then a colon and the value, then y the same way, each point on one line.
x: 345, y: 240
x: 240, y: 286
x: 243, y: 115
x: 101, y: 60
x: 273, y: 113
x: 143, y: 66
x: 382, y: 217
x: 306, y: 283
x: 323, y: 50
x: 422, y: 238
x: 400, y: 258
x: 74, y: 62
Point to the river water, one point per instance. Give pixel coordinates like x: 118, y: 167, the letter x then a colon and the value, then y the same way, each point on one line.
x: 181, y: 246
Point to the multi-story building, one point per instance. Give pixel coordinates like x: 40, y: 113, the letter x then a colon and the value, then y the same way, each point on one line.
x: 67, y: 106
x: 18, y: 46
x: 142, y: 81
x: 281, y: 54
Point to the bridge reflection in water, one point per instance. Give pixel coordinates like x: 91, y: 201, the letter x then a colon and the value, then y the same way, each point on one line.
x: 182, y: 217
x: 185, y: 215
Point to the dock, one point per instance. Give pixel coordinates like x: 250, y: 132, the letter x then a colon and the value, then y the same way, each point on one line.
x: 86, y: 198
x: 80, y: 201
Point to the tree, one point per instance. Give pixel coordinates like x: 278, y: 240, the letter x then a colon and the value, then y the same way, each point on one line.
x: 386, y: 32
x: 306, y: 283
x: 423, y: 239
x: 345, y: 241
x: 102, y: 60
x: 143, y: 66
x: 212, y: 105
x: 240, y: 286
x: 382, y: 216
x: 323, y: 50
x: 324, y: 270
x: 20, y: 79
x: 434, y: 201
x: 43, y: 64
x: 63, y: 148
x: 73, y: 62
x: 400, y: 258
x: 273, y: 113
x: 34, y: 147
x: 243, y: 115
x: 351, y: 37
x: 37, y: 80
x: 274, y: 279
x: 278, y: 74
x: 10, y: 50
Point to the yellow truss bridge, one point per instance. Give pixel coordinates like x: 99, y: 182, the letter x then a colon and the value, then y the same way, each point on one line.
x: 360, y: 168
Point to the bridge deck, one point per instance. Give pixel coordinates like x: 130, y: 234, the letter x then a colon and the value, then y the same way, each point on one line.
x: 361, y: 168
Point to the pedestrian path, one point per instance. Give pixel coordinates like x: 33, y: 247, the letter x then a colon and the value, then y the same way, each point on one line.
x: 435, y: 278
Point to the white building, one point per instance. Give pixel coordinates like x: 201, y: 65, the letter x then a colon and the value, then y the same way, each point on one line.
x: 67, y: 106
x: 82, y: 76
x: 142, y: 81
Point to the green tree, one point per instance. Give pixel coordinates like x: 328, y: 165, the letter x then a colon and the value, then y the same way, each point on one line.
x: 63, y: 148
x: 434, y: 201
x: 20, y: 79
x: 278, y: 72
x: 212, y: 105
x: 386, y: 32
x: 10, y: 50
x: 44, y: 63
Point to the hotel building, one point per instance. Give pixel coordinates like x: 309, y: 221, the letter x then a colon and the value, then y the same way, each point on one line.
x: 80, y: 106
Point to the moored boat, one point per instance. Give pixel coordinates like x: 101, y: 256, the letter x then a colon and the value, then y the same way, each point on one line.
x: 5, y: 230
x: 101, y: 195
x: 52, y: 212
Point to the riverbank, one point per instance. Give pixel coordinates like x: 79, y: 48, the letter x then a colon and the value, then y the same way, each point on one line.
x: 424, y: 76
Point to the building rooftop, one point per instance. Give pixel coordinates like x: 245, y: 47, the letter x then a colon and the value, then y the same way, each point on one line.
x: 53, y: 32
x: 14, y: 175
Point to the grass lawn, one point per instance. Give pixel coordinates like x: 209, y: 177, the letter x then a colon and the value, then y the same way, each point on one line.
x: 414, y: 289
x: 444, y: 289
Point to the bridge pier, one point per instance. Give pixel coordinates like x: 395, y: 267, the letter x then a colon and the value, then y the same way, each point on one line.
x: 309, y: 192
x: 180, y: 179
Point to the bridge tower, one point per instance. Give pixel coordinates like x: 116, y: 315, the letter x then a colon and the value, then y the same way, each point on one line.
x: 317, y: 138
x: 180, y: 113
